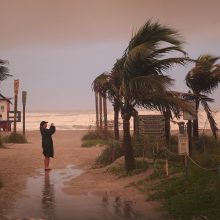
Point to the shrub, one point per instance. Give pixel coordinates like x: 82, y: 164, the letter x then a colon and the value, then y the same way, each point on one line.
x: 119, y: 169
x: 110, y: 153
x: 1, y: 142
x: 90, y: 143
x: 98, y: 134
x: 15, y: 138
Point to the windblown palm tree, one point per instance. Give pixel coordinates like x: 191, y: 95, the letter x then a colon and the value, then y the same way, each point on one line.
x: 143, y: 80
x: 204, y: 78
x: 4, y: 70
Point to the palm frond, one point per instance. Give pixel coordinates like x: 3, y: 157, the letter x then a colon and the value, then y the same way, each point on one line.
x: 155, y: 33
x: 205, y: 76
x: 144, y: 85
x: 4, y: 71
x: 167, y: 63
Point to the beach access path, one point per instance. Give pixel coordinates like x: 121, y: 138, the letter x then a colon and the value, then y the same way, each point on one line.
x: 20, y: 161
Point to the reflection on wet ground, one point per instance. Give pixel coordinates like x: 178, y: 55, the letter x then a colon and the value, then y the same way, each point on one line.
x: 45, y: 200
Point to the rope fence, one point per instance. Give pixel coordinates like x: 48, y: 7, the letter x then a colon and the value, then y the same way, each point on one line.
x: 193, y: 161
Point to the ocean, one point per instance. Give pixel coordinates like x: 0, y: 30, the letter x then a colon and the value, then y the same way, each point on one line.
x: 85, y: 119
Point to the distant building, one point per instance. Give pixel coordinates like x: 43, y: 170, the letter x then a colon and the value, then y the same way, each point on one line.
x: 5, y: 103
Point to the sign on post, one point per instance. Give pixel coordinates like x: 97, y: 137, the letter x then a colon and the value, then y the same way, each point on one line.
x: 16, y: 86
x: 24, y: 97
x: 152, y: 126
x: 183, y: 145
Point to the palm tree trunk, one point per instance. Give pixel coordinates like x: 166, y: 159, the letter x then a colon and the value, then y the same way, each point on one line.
x: 128, y: 150
x: 105, y: 113
x: 116, y: 115
x: 100, y: 111
x: 97, y: 110
x: 135, y: 116
x: 196, y: 123
x: 167, y: 126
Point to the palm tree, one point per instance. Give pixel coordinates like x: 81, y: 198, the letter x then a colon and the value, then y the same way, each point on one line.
x: 116, y: 81
x: 101, y: 85
x: 143, y: 80
x: 4, y: 70
x: 204, y: 78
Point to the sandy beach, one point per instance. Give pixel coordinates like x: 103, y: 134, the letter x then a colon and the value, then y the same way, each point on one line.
x: 20, y: 161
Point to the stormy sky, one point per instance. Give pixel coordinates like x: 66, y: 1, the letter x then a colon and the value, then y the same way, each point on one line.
x: 57, y: 47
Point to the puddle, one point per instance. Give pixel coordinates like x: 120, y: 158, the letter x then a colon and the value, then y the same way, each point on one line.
x: 44, y: 200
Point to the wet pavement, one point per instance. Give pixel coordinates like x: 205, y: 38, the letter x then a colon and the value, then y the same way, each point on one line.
x: 44, y: 200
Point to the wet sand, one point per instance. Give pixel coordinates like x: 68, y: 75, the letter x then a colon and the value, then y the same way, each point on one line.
x: 20, y: 161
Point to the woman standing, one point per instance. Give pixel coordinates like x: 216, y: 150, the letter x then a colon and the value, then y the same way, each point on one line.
x: 47, y: 142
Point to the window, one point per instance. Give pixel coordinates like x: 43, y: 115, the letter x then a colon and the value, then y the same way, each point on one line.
x: 2, y: 108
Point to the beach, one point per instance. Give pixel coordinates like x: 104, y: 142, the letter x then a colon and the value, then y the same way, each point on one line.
x: 20, y: 161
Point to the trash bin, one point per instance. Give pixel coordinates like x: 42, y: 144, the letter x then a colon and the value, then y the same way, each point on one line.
x: 181, y: 127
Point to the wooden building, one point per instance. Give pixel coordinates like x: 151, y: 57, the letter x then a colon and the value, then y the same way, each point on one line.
x: 5, y: 103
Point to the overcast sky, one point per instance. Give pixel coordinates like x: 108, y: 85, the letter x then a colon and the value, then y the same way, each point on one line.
x: 57, y: 47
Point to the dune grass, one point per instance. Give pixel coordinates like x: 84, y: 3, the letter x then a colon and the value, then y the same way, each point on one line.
x: 185, y: 196
x: 15, y: 138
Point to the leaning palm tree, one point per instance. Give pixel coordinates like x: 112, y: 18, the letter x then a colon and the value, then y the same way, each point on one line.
x: 116, y: 81
x: 100, y: 86
x: 143, y: 80
x: 4, y: 70
x: 204, y: 78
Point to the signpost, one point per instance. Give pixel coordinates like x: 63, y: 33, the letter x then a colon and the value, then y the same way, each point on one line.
x: 188, y: 116
x: 24, y: 99
x: 152, y: 125
x: 16, y: 87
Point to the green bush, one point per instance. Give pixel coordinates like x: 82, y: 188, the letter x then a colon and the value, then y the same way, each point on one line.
x: 98, y: 134
x: 1, y: 142
x: 119, y: 170
x: 199, y: 194
x: 111, y: 152
x: 94, y: 142
x: 15, y: 138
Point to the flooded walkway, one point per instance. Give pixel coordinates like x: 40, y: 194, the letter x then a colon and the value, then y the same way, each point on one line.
x: 44, y: 200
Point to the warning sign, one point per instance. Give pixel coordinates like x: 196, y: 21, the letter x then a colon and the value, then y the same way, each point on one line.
x: 152, y: 126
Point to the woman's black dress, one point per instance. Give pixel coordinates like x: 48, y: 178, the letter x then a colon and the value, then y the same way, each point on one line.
x: 47, y: 142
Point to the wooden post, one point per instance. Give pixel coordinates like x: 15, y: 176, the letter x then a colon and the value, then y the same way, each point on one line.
x: 100, y: 111
x: 16, y: 86
x: 24, y: 98
x: 97, y: 110
x: 105, y: 113
x: 189, y: 133
x: 186, y: 165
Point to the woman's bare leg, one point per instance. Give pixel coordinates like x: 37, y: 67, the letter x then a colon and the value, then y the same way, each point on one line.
x: 46, y: 162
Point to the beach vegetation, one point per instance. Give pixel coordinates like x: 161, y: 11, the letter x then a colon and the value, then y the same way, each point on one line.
x: 203, y: 79
x: 110, y: 153
x: 15, y: 138
x: 98, y: 135
x: 1, y: 142
x: 94, y: 142
x: 142, y: 81
x: 187, y: 194
x: 119, y: 169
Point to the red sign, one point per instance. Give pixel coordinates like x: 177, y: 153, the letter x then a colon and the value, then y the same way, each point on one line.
x: 16, y: 86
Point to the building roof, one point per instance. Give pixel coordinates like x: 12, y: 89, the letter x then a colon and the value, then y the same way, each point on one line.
x: 4, y: 98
